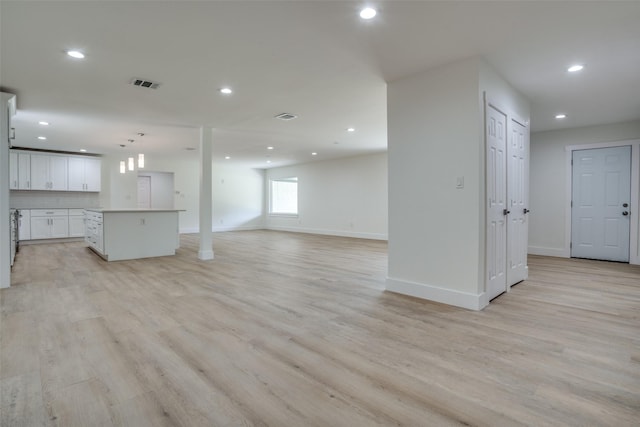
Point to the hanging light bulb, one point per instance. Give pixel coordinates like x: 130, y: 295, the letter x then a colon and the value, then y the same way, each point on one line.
x: 131, y: 164
x: 141, y: 161
x: 123, y: 167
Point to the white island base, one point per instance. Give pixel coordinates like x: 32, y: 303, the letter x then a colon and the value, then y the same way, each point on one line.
x: 118, y: 235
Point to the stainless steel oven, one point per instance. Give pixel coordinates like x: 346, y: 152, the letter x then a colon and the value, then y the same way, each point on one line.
x: 14, y: 215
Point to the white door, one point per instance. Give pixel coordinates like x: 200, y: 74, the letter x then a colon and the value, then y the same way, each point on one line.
x: 496, y: 123
x: 600, y: 199
x: 144, y: 192
x: 518, y: 190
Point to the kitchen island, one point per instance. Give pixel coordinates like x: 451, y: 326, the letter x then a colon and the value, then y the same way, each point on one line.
x: 121, y: 234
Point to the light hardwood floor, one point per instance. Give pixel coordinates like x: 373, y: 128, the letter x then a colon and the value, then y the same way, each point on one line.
x: 287, y: 329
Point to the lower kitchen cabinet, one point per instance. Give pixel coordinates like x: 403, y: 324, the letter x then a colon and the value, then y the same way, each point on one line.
x: 76, y: 223
x: 49, y: 228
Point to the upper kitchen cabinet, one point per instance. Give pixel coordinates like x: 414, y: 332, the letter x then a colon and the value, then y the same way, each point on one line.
x: 49, y: 172
x: 84, y: 174
x: 24, y: 171
x: 13, y: 170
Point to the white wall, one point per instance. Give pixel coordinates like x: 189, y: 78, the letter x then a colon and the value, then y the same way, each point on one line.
x: 237, y: 191
x: 436, y: 134
x: 549, y: 168
x: 343, y: 197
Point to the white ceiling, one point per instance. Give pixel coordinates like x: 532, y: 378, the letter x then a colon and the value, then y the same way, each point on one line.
x: 316, y: 59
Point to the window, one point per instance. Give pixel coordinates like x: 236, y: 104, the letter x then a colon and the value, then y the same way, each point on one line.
x: 284, y: 196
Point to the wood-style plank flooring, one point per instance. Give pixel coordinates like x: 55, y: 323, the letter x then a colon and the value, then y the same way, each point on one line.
x: 286, y: 329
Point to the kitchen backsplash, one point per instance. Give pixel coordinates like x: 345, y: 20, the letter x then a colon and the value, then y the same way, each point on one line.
x: 52, y: 199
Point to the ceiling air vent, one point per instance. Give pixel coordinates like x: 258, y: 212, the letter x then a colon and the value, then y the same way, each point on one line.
x: 286, y: 116
x: 144, y: 83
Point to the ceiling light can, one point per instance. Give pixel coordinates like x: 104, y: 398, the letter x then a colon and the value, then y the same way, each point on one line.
x: 368, y: 13
x: 75, y: 54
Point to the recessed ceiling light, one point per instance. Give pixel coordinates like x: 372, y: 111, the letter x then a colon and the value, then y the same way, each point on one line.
x: 268, y: 161
x: 83, y: 150
x: 190, y: 149
x: 75, y: 54
x: 561, y: 116
x: 43, y: 123
x: 42, y: 137
x: 314, y: 154
x: 227, y: 157
x: 226, y: 90
x: 351, y: 130
x: 368, y: 13
x: 575, y: 68
x: 269, y: 148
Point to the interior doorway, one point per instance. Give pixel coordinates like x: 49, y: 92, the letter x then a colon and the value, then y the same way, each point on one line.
x: 600, y: 203
x: 155, y: 190
x: 507, y: 195
x: 144, y: 192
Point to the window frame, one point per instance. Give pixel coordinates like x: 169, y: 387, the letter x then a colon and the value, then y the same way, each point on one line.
x: 283, y: 214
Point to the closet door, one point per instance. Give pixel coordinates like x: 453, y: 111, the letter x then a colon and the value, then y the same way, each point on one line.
x: 497, y: 212
x: 518, y: 191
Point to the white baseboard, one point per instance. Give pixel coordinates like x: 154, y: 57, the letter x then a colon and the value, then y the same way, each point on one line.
x: 217, y: 229
x: 355, y: 234
x: 540, y: 250
x: 437, y: 294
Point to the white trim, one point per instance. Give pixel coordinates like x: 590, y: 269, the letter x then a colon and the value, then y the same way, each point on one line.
x: 634, y: 239
x: 540, y: 250
x: 340, y: 233
x: 437, y: 294
x: 195, y: 230
x: 205, y: 255
x: 218, y: 229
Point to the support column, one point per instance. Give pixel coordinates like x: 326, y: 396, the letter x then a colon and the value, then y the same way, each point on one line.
x: 206, y: 211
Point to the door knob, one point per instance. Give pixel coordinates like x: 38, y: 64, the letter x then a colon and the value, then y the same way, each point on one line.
x: 526, y: 211
x: 625, y: 213
x: 506, y: 212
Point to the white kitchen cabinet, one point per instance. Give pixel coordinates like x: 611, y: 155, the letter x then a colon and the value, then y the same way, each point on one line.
x: 13, y: 170
x: 24, y: 171
x: 24, y: 225
x: 76, y: 223
x: 20, y: 170
x: 93, y: 231
x: 84, y: 174
x: 131, y: 234
x: 49, y: 172
x: 49, y: 224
